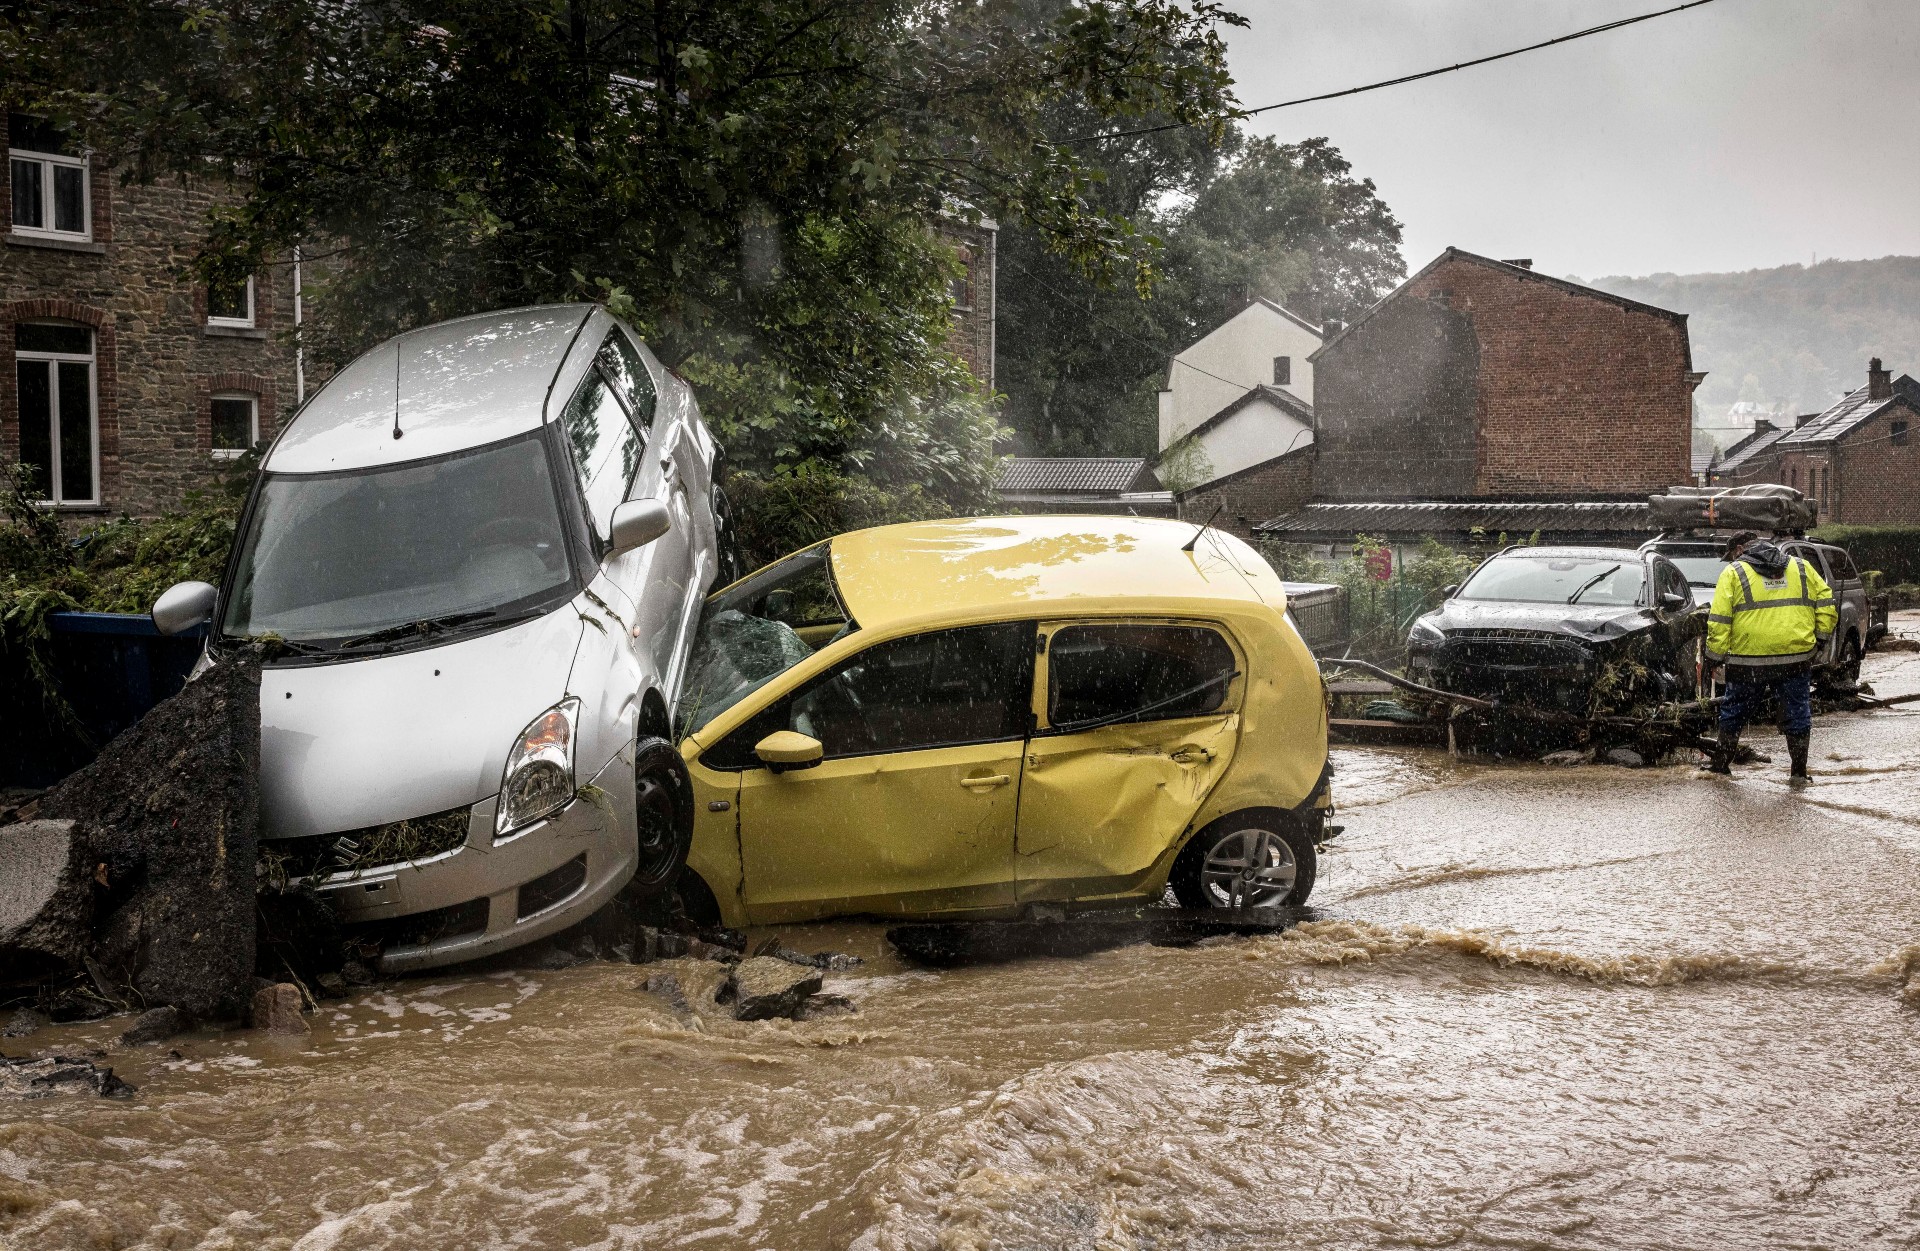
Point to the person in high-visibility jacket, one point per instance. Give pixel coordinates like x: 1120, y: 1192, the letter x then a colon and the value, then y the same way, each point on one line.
x: 1771, y: 614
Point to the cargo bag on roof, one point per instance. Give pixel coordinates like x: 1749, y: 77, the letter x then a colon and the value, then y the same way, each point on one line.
x: 1758, y: 506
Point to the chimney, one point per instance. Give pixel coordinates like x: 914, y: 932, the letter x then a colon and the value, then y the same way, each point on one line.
x: 1879, y: 381
x: 1762, y: 426
x: 1524, y: 262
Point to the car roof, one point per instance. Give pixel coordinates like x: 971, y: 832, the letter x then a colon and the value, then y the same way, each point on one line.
x: 987, y: 566
x: 1575, y: 553
x: 455, y: 385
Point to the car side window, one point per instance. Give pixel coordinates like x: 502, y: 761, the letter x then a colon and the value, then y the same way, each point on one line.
x: 1107, y: 674
x: 942, y: 689
x: 606, y: 448
x: 620, y: 361
x: 1673, y: 582
x: 1841, y: 566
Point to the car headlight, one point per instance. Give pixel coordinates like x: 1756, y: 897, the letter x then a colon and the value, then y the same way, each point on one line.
x: 539, y: 776
x: 1425, y: 636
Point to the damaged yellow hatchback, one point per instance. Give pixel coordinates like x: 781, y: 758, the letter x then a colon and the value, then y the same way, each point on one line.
x: 970, y: 717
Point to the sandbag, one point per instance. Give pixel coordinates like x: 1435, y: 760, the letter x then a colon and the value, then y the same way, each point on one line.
x: 1764, y: 506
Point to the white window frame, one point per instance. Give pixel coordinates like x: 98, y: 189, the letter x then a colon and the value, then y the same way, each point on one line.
x: 253, y: 423
x: 50, y: 159
x: 54, y: 485
x: 235, y: 323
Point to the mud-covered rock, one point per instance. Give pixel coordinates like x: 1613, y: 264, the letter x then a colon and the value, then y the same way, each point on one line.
x: 46, y: 899
x: 169, y: 813
x: 59, y: 1075
x: 765, y: 987
x: 689, y: 985
x: 279, y: 1009
x: 818, y: 1006
x: 1625, y: 756
x: 832, y: 960
x: 24, y: 1021
x: 155, y: 1025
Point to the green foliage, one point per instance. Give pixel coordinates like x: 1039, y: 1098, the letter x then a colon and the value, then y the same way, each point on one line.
x: 1379, y: 611
x: 1893, y: 550
x: 785, y: 512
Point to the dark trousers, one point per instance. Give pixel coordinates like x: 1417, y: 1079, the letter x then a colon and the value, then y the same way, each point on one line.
x: 1751, y: 688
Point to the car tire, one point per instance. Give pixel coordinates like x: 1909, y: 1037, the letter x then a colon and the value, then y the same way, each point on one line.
x: 1850, y: 657
x: 1262, y: 858
x: 663, y: 815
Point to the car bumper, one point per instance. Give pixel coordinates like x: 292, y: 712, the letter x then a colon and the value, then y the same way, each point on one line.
x: 486, y: 897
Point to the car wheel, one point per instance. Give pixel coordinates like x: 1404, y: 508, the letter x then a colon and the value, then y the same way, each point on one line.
x: 1258, y: 859
x: 663, y: 814
x: 1850, y: 656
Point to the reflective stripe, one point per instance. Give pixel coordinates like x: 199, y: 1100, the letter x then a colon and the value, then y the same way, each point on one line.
x: 1822, y: 603
x: 1746, y: 587
x: 1799, y: 602
x: 1721, y: 617
x: 1792, y: 659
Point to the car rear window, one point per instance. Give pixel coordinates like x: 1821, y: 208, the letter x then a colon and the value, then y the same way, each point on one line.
x: 1106, y: 674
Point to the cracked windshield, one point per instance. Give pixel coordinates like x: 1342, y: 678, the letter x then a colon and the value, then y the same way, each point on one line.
x: 792, y: 626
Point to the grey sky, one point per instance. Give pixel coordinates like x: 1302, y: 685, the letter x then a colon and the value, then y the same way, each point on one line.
x: 1743, y: 134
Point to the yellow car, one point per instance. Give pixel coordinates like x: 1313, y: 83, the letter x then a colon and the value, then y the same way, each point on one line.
x: 965, y: 718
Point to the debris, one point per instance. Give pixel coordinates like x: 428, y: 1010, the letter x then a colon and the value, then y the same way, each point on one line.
x: 24, y: 1021
x: 764, y: 988
x: 277, y: 1009
x: 948, y: 943
x: 59, y: 1075
x: 818, y: 960
x: 826, y: 1005
x: 1392, y: 710
x: 667, y: 986
x: 46, y: 899
x: 155, y: 1025
x: 1897, y: 643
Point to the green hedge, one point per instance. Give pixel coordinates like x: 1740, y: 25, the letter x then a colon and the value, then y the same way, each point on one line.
x: 1893, y: 550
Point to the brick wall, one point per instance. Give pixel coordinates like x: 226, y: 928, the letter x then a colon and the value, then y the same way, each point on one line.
x: 974, y: 296
x: 1253, y: 495
x: 157, y: 361
x: 1876, y: 480
x: 1571, y: 393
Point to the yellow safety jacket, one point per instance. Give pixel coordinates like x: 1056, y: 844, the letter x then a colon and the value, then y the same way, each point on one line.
x: 1757, y: 620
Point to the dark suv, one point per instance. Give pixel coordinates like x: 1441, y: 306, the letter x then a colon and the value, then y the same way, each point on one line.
x: 1698, y: 557
x: 1572, y: 628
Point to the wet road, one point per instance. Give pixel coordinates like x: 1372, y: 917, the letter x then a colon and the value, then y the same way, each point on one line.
x: 1553, y: 1007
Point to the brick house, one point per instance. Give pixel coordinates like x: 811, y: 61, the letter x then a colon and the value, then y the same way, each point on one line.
x: 1480, y: 381
x: 1859, y: 461
x: 121, y: 381
x: 975, y: 292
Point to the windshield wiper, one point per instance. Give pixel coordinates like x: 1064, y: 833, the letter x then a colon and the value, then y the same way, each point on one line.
x: 1588, y: 585
x: 429, y: 626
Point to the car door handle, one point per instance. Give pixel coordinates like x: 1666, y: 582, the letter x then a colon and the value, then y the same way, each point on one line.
x: 1191, y: 755
x: 987, y: 780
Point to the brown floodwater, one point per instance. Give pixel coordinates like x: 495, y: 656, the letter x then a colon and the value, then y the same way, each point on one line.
x: 1546, y: 1007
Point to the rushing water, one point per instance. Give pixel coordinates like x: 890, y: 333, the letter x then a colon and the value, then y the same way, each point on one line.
x: 1574, y: 1007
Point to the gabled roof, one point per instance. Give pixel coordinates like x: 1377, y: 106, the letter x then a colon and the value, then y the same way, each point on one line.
x: 1398, y: 519
x: 1516, y: 271
x: 1291, y: 316
x: 1090, y: 474
x: 1750, y: 447
x: 1853, y: 410
x: 1280, y: 398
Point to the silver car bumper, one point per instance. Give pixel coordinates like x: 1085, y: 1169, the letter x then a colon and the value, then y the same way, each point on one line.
x: 499, y: 895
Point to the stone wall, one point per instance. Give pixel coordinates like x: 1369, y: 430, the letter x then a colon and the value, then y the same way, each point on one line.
x: 158, y: 362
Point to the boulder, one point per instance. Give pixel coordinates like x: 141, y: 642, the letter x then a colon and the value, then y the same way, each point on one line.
x: 155, y: 1025
x: 46, y: 899
x: 1625, y: 756
x: 765, y: 987
x: 279, y: 1009
x: 168, y: 810
x: 59, y: 1075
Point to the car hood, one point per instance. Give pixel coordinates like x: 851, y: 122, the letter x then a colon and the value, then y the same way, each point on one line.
x: 1595, y: 623
x: 354, y: 743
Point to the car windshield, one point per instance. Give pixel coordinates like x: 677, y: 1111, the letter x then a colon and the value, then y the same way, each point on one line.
x: 1550, y: 579
x: 464, y: 539
x: 760, y: 627
x: 1700, y: 570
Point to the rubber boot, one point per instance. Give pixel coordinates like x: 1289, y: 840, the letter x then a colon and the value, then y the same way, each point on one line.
x: 1722, y: 762
x: 1797, y: 749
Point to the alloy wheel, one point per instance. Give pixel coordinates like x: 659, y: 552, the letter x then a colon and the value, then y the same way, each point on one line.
x: 1249, y: 868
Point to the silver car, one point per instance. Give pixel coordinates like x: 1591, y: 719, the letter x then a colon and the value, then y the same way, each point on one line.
x: 478, y: 553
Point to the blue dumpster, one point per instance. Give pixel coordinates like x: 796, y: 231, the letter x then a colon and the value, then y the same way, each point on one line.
x: 110, y: 668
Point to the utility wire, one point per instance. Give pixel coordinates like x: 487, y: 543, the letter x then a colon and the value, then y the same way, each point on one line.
x: 1404, y: 78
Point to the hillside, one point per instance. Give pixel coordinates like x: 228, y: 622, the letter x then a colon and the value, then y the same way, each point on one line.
x: 1791, y: 339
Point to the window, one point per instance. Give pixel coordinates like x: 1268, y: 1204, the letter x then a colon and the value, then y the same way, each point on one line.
x: 1899, y: 432
x: 53, y: 369
x: 1282, y: 371
x: 236, y: 424
x: 759, y: 628
x: 622, y: 365
x: 1793, y: 477
x: 606, y: 448
x: 1839, y: 566
x: 943, y: 689
x: 960, y: 287
x: 51, y: 197
x: 1672, y: 581
x: 230, y: 304
x: 1104, y: 674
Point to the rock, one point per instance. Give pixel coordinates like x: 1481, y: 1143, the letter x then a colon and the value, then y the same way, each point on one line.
x: 817, y: 960
x: 155, y: 1025
x: 1572, y: 756
x: 1625, y: 756
x: 279, y: 1009
x: 552, y: 959
x: 168, y: 811
x: 667, y: 986
x: 46, y: 899
x: 651, y: 943
x: 332, y: 984
x: 764, y: 988
x: 23, y: 1022
x: 59, y: 1075
x: 354, y: 973
x: 826, y: 1005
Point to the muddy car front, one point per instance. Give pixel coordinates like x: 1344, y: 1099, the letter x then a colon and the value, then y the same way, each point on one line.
x: 1516, y: 654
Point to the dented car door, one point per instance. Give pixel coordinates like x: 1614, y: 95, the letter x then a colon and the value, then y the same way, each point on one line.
x: 1136, y: 721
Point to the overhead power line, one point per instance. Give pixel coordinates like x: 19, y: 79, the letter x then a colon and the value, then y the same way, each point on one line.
x: 1404, y: 78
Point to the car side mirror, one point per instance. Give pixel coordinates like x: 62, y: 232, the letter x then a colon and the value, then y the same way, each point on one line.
x: 183, y: 606
x: 1674, y: 599
x: 637, y: 523
x: 1446, y: 592
x: 787, y: 749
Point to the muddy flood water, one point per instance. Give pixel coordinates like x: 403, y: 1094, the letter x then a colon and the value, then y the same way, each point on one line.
x: 1547, y: 1007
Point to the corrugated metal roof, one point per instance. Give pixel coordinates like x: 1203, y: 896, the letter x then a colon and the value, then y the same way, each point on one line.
x: 1108, y: 474
x: 1492, y: 516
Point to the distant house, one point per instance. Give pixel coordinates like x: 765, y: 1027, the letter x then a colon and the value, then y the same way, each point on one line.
x: 1481, y: 384
x: 1753, y: 458
x: 1328, y: 528
x: 1236, y: 417
x: 1123, y: 485
x: 975, y: 292
x: 1859, y: 461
